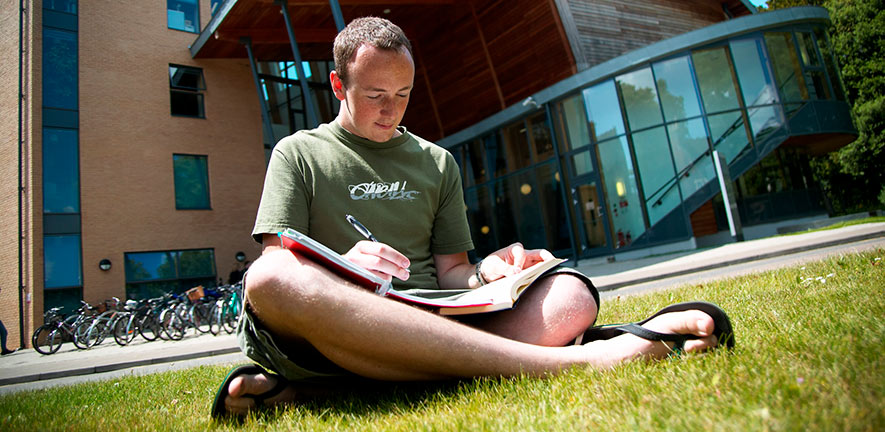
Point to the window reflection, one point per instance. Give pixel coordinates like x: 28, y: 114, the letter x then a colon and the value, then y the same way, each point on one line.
x: 640, y: 99
x: 716, y: 79
x: 693, y: 156
x: 656, y: 172
x: 572, y: 124
x: 508, y: 149
x: 539, y: 134
x: 481, y: 219
x: 787, y: 69
x: 729, y: 134
x: 183, y: 15
x: 832, y: 71
x: 61, y: 261
x: 603, y: 111
x: 678, y: 96
x: 59, y: 69
x: 621, y: 192
x: 152, y: 274
x: 191, y: 182
x: 756, y: 85
x: 61, y: 172
x: 763, y: 121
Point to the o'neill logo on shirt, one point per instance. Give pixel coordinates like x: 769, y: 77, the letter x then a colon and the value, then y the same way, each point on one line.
x: 382, y: 191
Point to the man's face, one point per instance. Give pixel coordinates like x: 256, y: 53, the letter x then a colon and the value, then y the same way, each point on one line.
x: 375, y: 98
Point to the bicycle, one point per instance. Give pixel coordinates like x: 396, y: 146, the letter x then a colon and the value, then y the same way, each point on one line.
x: 58, y: 329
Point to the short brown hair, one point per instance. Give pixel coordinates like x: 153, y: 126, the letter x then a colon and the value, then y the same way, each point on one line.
x: 374, y: 31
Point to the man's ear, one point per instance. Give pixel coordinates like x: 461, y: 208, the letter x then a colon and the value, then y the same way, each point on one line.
x: 337, y: 85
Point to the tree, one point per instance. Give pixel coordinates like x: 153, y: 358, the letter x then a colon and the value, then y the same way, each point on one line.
x: 855, y: 175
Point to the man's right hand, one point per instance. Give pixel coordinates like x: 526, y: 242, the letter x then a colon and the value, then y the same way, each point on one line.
x: 380, y: 259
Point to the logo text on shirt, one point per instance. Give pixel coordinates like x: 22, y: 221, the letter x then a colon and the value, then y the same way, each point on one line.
x: 382, y: 191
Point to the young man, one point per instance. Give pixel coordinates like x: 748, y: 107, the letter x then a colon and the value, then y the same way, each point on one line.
x: 306, y: 324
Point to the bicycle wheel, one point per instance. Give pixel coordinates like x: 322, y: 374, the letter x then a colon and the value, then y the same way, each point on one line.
x: 229, y: 318
x: 215, y: 318
x: 149, y: 327
x: 125, y: 330
x: 199, y: 317
x: 46, y: 340
x: 172, y: 324
x: 80, y: 333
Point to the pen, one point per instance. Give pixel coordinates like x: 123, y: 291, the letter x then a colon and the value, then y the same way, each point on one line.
x: 360, y: 227
x: 363, y: 230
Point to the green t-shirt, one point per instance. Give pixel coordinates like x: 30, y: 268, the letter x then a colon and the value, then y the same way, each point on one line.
x: 407, y: 191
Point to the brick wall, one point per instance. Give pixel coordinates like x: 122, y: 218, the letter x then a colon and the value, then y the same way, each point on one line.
x: 128, y: 137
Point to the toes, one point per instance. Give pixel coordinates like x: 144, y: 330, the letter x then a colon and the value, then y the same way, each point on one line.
x: 699, y: 345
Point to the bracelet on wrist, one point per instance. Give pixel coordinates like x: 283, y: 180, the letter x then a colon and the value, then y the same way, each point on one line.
x: 479, y: 279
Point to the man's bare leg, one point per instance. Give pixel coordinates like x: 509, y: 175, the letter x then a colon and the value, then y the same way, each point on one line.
x: 553, y: 312
x: 381, y: 339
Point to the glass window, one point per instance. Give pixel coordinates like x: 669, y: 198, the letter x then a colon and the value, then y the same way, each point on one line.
x: 691, y: 150
x: 656, y: 171
x: 479, y: 215
x: 787, y: 69
x: 541, y: 141
x: 729, y: 134
x: 552, y: 208
x: 807, y: 48
x: 61, y: 171
x: 755, y: 82
x: 510, y: 151
x: 185, y: 90
x: 603, y: 110
x: 69, y: 6
x: 689, y: 141
x: 572, y: 124
x: 61, y: 261
x: 676, y: 87
x: 640, y: 99
x: 832, y: 71
x: 621, y: 191
x: 60, y: 88
x: 183, y: 15
x: 716, y: 79
x: 67, y: 298
x: 517, y: 211
x: 191, y: 182
x: 763, y: 121
x: 475, y: 164
x: 213, y: 6
x: 582, y: 163
x: 152, y: 274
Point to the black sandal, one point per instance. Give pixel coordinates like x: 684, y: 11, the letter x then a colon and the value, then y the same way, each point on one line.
x: 220, y: 411
x: 723, y: 330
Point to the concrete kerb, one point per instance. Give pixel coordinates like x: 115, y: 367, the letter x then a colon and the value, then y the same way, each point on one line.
x: 606, y: 283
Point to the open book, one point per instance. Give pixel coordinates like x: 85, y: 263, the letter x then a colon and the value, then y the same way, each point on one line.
x: 498, y: 295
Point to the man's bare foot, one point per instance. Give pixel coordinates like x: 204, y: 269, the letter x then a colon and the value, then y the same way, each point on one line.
x: 609, y: 352
x: 242, y: 390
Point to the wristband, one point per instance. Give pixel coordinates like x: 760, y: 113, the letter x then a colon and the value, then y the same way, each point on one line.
x: 479, y: 278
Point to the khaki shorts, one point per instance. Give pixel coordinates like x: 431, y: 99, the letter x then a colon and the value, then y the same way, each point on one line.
x: 258, y: 344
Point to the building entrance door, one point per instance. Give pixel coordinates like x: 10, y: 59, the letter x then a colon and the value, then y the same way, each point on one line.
x: 590, y: 216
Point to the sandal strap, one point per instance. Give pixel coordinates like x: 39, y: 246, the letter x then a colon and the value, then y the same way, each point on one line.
x: 278, y: 388
x: 678, y: 339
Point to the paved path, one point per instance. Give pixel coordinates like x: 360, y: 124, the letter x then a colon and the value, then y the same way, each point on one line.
x: 29, y: 370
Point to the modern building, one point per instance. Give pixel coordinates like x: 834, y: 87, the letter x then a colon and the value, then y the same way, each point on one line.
x: 585, y: 127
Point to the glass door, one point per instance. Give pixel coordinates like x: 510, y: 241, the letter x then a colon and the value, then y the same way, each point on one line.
x: 588, y: 201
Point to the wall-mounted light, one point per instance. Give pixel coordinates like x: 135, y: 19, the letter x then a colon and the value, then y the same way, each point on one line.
x: 622, y: 190
x: 241, y: 256
x: 104, y: 264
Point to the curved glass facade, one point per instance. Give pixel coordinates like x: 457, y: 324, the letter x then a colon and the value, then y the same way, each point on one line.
x: 620, y: 159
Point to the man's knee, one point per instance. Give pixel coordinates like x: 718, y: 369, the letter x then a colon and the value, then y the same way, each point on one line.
x: 266, y: 279
x: 574, y: 296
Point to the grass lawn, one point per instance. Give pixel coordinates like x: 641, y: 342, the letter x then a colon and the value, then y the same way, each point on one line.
x: 809, y: 356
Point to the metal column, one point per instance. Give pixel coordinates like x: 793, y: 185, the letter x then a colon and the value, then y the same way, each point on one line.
x: 312, y: 121
x: 265, y: 119
x: 336, y: 13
